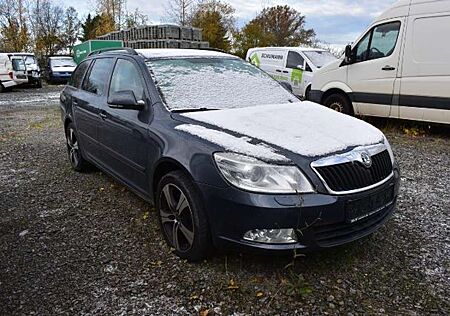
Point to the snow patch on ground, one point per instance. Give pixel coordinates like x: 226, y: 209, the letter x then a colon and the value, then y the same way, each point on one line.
x: 232, y: 143
x: 304, y: 128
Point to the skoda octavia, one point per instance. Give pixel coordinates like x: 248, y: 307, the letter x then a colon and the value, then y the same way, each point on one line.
x: 228, y: 156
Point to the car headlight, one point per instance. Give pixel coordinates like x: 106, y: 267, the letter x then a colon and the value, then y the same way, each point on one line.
x: 251, y: 174
x: 389, y: 149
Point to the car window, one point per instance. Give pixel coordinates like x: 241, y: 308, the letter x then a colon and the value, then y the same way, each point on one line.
x: 214, y: 83
x: 98, y: 76
x: 294, y: 59
x: 383, y: 40
x: 127, y: 77
x: 77, y: 76
x: 362, y: 47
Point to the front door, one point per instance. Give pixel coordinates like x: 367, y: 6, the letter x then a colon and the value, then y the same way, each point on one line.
x: 372, y: 74
x: 124, y: 131
x: 295, y: 65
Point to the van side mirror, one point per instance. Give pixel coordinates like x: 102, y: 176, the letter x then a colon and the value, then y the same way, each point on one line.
x: 348, y: 54
x: 286, y: 85
x: 125, y: 100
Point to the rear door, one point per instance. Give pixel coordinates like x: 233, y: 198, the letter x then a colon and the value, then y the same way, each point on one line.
x: 123, y: 132
x: 88, y: 103
x: 376, y: 61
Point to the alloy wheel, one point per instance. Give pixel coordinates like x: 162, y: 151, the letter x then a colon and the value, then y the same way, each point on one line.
x: 176, y: 218
x: 72, y: 147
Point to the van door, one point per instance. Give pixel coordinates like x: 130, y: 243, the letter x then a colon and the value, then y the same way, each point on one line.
x: 295, y: 66
x: 272, y: 62
x: 374, y: 68
x: 425, y: 82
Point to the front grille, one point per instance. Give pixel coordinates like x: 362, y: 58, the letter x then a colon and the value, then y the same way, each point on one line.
x: 339, y: 233
x: 354, y: 175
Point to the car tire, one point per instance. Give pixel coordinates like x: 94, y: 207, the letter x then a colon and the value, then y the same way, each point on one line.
x: 182, y: 217
x: 2, y: 88
x: 39, y: 83
x: 339, y: 103
x: 77, y: 162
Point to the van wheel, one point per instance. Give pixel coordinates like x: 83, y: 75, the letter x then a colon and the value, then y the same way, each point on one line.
x: 77, y: 161
x: 182, y: 217
x: 308, y: 90
x: 2, y: 88
x: 339, y: 103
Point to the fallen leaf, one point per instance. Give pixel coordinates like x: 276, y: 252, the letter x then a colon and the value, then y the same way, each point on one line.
x: 145, y: 215
x: 232, y: 285
x: 204, y: 312
x: 259, y: 294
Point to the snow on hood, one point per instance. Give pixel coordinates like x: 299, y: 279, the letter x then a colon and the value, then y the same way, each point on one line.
x: 240, y: 145
x: 304, y: 128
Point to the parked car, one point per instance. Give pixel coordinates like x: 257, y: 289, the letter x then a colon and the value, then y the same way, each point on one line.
x: 294, y: 65
x: 60, y: 68
x: 12, y: 71
x: 399, y: 67
x: 32, y: 68
x: 226, y: 154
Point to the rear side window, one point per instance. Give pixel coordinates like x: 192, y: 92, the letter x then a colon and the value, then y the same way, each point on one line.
x: 294, y: 60
x: 126, y: 77
x: 78, y: 74
x: 97, y: 78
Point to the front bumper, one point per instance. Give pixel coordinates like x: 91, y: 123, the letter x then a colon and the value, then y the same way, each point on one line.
x: 319, y: 219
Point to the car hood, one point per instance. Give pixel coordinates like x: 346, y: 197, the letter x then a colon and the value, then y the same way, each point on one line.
x: 265, y: 131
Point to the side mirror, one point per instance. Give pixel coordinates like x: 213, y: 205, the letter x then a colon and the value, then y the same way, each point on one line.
x: 300, y: 67
x: 125, y: 100
x: 348, y: 54
x: 286, y: 85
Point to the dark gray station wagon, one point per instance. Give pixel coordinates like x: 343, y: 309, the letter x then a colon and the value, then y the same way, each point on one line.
x: 229, y: 157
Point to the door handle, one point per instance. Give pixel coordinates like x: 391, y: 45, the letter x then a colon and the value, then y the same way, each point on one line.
x: 388, y: 68
x: 277, y: 70
x: 103, y: 116
x: 285, y: 71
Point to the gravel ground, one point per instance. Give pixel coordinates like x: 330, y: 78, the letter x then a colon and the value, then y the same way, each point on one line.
x: 75, y: 243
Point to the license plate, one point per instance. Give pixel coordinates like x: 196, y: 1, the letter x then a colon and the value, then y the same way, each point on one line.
x: 362, y: 208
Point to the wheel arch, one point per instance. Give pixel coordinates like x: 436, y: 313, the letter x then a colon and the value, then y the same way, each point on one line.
x: 341, y: 92
x: 163, y: 167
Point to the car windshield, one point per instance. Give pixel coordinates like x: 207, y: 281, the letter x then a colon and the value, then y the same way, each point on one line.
x: 320, y: 58
x: 214, y: 83
x: 63, y: 62
x: 18, y: 64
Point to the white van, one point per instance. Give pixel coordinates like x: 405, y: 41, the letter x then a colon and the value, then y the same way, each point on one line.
x: 32, y: 68
x: 12, y: 71
x: 399, y: 67
x: 294, y: 65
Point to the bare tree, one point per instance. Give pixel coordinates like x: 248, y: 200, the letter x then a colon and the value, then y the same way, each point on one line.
x: 13, y: 27
x: 114, y: 8
x: 136, y: 18
x: 71, y: 29
x: 180, y: 11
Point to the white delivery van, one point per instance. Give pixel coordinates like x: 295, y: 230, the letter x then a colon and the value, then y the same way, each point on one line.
x: 399, y: 67
x: 294, y: 65
x: 32, y: 68
x: 12, y: 71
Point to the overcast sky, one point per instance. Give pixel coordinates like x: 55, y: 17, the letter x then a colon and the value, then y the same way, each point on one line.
x: 335, y: 21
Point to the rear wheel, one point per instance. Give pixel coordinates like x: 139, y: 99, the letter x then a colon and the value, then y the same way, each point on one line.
x: 339, y: 103
x: 182, y: 217
x: 77, y: 161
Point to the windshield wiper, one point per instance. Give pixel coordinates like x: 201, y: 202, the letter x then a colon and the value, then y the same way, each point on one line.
x: 192, y: 110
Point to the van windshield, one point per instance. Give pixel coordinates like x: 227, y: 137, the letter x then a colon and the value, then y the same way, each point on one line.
x: 320, y: 58
x: 214, y: 83
x: 30, y: 60
x: 63, y: 62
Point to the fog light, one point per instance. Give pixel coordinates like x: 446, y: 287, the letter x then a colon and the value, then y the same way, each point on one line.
x: 271, y: 236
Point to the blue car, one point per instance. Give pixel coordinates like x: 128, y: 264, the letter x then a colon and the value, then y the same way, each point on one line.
x: 229, y: 157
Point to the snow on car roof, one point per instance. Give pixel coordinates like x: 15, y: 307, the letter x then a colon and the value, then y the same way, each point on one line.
x: 175, y: 53
x: 298, y: 48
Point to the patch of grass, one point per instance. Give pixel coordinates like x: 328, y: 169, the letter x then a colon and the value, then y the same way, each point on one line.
x: 297, y: 286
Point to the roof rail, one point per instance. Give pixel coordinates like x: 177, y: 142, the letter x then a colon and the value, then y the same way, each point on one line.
x: 113, y: 49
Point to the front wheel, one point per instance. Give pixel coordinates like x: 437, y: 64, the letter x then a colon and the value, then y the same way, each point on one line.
x: 339, y: 103
x: 182, y: 217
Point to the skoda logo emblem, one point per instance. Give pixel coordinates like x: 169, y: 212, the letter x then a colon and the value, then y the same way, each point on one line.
x: 366, y: 160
